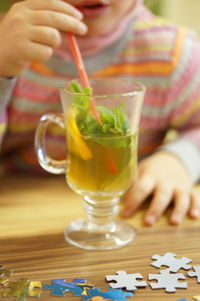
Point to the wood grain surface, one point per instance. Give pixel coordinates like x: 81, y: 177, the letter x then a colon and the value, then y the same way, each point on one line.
x: 33, y: 214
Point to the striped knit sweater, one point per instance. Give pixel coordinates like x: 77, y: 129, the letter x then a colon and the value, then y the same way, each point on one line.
x: 164, y: 57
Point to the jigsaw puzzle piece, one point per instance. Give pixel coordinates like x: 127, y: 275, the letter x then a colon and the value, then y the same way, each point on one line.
x: 99, y: 298
x: 116, y: 295
x: 83, y: 284
x: 34, y: 289
x: 169, y: 260
x: 70, y: 286
x: 59, y: 287
x: 196, y: 298
x: 56, y: 288
x: 127, y: 281
x: 196, y: 273
x: 167, y: 281
x: 22, y: 289
x: 5, y: 276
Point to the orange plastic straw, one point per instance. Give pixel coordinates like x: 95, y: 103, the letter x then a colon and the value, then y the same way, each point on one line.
x: 85, y: 82
x: 81, y: 69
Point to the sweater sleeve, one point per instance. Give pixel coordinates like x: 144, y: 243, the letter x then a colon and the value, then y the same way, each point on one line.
x: 183, y: 101
x: 6, y: 87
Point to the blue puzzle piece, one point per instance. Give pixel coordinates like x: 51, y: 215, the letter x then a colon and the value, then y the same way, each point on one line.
x: 72, y: 287
x: 79, y: 280
x: 75, y: 282
x: 83, y: 284
x: 116, y: 295
x: 56, y: 289
x: 63, y: 282
x: 59, y: 287
x: 182, y: 300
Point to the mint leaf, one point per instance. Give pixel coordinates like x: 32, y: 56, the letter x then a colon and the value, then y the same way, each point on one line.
x: 121, y: 121
x: 87, y: 124
x: 114, y: 122
x: 118, y: 141
x: 81, y: 100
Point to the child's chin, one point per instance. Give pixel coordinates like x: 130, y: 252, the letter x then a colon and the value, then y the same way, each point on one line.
x: 98, y: 29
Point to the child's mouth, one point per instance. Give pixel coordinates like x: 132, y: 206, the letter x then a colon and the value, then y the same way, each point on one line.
x: 91, y: 9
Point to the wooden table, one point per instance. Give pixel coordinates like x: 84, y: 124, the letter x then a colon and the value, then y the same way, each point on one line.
x: 33, y: 214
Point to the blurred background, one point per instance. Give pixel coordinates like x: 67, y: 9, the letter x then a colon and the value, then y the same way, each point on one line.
x: 183, y: 12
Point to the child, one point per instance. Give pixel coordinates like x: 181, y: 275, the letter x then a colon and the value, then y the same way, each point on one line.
x: 116, y: 38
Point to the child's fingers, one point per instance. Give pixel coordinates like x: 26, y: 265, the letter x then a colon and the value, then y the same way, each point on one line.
x: 45, y: 35
x: 181, y: 206
x: 142, y: 188
x: 161, y: 199
x: 58, y: 20
x: 54, y: 5
x: 194, y: 211
x: 36, y: 51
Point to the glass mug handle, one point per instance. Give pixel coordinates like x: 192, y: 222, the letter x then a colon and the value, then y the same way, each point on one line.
x: 46, y: 162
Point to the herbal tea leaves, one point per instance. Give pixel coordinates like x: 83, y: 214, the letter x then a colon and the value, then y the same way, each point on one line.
x: 113, y: 121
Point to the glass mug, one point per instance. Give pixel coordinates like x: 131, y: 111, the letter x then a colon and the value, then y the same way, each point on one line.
x: 101, y: 159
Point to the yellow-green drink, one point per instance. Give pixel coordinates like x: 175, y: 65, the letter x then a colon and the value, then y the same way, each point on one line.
x: 110, y: 169
x: 102, y: 150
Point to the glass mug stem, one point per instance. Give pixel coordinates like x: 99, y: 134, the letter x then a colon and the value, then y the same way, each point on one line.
x: 101, y: 211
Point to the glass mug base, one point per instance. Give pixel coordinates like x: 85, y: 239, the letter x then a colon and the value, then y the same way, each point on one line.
x: 86, y: 235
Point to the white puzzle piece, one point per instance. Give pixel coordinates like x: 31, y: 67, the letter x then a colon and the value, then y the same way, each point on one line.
x: 168, y: 281
x: 127, y: 281
x: 169, y: 260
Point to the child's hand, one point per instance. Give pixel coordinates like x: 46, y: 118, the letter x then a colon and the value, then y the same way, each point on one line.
x: 31, y: 30
x: 163, y: 177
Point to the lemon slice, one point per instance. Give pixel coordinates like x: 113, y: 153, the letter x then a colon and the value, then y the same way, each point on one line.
x: 80, y: 146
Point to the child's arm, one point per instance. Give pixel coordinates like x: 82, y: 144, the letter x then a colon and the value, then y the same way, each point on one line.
x: 31, y: 31
x: 169, y: 174
x: 6, y: 86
